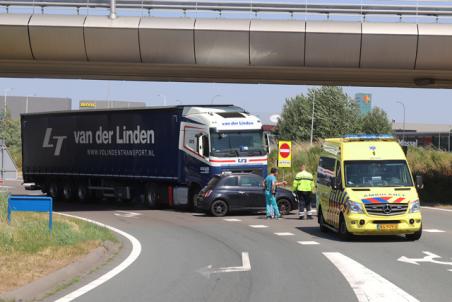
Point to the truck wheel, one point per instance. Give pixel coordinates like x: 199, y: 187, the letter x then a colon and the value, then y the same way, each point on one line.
x: 414, y: 236
x: 68, y: 191
x: 54, y: 191
x: 219, y: 208
x: 344, y: 234
x: 284, y: 206
x: 82, y: 193
x: 150, y: 196
x: 321, y: 221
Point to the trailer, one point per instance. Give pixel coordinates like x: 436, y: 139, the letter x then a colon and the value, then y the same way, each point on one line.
x: 160, y: 155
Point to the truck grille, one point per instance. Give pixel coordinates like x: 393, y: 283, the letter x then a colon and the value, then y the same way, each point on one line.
x: 386, y: 209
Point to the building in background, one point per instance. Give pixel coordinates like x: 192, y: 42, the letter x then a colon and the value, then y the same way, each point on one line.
x: 16, y: 105
x: 425, y: 135
x: 364, y: 101
x: 88, y: 104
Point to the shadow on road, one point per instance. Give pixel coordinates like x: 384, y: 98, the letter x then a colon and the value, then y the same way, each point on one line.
x: 330, y: 235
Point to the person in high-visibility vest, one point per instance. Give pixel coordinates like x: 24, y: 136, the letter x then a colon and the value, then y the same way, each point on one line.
x: 303, y: 185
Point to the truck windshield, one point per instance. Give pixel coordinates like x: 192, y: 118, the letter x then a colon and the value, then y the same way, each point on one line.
x: 388, y: 173
x: 237, y: 143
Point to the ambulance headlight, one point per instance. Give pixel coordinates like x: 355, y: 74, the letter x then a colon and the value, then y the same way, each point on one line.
x: 355, y: 207
x: 415, y: 207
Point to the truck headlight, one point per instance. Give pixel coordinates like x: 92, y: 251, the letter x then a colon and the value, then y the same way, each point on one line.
x: 355, y: 207
x: 415, y: 207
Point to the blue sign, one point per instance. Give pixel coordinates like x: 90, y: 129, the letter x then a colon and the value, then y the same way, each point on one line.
x: 29, y: 203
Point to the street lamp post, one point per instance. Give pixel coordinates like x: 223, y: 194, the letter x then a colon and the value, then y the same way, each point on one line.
x: 404, y: 113
x: 312, y: 117
x: 213, y: 98
x: 2, y: 172
x: 164, y: 98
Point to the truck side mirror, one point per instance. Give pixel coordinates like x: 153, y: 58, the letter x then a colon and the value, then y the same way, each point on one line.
x: 419, y: 182
x: 200, y: 144
x: 333, y: 183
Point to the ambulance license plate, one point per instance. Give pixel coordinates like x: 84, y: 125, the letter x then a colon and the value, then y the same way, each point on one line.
x: 388, y: 227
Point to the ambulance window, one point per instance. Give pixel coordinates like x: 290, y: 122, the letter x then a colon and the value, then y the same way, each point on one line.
x: 338, y: 175
x: 326, y: 170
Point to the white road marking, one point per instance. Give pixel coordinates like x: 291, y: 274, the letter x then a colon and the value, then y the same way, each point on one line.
x: 136, y: 251
x: 433, y: 231
x: 258, y: 226
x: 437, y: 209
x: 284, y: 234
x: 232, y: 219
x: 126, y: 214
x: 308, y: 242
x: 246, y: 267
x: 367, y: 285
x: 430, y: 257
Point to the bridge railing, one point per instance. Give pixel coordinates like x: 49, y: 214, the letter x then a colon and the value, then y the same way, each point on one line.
x: 362, y: 8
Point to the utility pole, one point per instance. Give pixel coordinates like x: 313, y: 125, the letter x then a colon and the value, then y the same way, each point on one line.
x: 164, y: 98
x: 2, y: 174
x: 404, y: 112
x: 312, y: 117
x: 214, y: 97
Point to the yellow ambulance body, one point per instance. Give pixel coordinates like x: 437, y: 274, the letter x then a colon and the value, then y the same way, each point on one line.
x: 365, y: 187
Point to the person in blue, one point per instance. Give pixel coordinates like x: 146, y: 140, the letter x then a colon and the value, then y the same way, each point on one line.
x: 270, y: 185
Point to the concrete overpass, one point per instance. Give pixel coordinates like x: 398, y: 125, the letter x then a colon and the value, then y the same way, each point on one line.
x: 226, y: 50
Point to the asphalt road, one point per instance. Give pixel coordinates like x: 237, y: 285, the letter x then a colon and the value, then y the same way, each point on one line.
x: 290, y: 260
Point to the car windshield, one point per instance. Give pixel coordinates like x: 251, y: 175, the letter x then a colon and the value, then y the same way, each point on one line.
x: 389, y: 173
x: 213, y: 182
x: 237, y: 143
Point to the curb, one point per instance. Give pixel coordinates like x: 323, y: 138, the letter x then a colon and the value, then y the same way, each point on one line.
x: 44, y: 286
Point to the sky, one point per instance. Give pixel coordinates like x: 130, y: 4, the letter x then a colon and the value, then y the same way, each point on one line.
x: 423, y: 105
x: 432, y: 106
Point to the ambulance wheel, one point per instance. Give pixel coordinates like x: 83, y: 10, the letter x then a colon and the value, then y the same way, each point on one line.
x: 219, y: 208
x: 414, y: 236
x: 321, y: 221
x: 150, y: 196
x: 344, y: 234
x: 284, y: 206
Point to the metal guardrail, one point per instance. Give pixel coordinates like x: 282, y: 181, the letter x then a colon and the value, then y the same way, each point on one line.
x: 436, y: 8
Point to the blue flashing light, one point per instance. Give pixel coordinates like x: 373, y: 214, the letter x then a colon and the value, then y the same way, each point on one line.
x: 368, y: 136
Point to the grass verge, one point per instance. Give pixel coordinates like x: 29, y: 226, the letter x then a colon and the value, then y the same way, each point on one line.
x: 28, y: 252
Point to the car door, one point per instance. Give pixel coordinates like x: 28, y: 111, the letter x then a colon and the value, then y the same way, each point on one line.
x: 230, y: 191
x: 254, y: 191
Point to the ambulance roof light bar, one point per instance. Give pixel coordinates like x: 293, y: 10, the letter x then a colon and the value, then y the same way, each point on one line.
x: 369, y: 137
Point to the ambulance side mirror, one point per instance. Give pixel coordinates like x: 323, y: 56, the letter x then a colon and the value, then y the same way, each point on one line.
x: 419, y: 182
x: 333, y: 183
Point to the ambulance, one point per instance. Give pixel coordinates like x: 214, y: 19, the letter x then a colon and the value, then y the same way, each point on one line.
x: 365, y: 187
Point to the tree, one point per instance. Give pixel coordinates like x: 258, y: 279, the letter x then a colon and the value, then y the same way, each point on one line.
x: 335, y: 114
x: 10, y: 133
x: 376, y: 122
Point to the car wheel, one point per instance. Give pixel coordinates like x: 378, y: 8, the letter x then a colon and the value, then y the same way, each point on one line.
x: 321, y: 221
x: 415, y: 236
x: 344, y: 234
x: 284, y: 206
x: 219, y: 208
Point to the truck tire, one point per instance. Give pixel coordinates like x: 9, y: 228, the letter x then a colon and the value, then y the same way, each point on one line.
x: 82, y: 193
x: 68, y: 191
x: 150, y: 196
x: 54, y: 191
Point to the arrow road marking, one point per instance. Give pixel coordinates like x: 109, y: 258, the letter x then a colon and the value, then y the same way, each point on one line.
x: 430, y: 257
x: 126, y: 214
x: 367, y: 285
x: 246, y: 267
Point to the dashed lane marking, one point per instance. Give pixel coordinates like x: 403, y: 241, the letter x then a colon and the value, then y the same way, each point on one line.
x: 434, y: 231
x: 232, y: 219
x: 308, y: 242
x: 367, y: 285
x: 258, y: 226
x: 438, y: 209
x: 285, y: 234
x: 136, y: 251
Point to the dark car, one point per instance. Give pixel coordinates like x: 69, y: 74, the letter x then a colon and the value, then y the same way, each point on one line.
x: 240, y: 191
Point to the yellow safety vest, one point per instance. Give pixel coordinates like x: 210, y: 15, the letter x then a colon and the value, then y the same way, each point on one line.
x: 304, y: 182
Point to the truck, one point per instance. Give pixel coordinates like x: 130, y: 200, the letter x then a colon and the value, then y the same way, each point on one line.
x: 158, y: 155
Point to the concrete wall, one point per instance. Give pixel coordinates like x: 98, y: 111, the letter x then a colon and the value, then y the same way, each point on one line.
x: 16, y: 105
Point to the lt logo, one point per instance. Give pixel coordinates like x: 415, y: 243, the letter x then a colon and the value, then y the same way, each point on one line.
x: 59, y: 141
